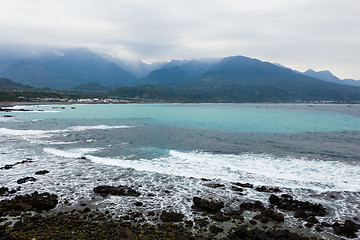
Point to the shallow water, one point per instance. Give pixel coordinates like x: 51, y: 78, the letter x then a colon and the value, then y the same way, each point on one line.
x: 165, y: 149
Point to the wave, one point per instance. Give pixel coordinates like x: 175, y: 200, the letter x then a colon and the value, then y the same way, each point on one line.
x: 39, y: 133
x: 71, y: 153
x: 259, y: 169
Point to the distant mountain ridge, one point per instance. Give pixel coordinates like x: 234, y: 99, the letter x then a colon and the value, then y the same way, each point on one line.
x: 68, y: 69
x: 231, y: 79
x: 7, y: 84
x: 329, y: 77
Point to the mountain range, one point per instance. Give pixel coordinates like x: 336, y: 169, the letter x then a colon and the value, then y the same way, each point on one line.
x: 231, y: 79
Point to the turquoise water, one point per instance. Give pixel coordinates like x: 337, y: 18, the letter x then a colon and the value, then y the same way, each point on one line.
x: 228, y: 117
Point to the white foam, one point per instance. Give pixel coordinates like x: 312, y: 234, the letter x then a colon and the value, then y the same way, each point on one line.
x: 7, y: 131
x: 99, y: 127
x: 259, y: 169
x: 71, y: 153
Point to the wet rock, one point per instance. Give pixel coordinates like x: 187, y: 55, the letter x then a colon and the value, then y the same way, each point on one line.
x: 215, y: 229
x: 42, y: 172
x: 171, y: 216
x: 245, y: 185
x: 202, y: 222
x: 269, y: 215
x: 26, y: 179
x: 7, y: 116
x: 33, y: 202
x: 347, y: 229
x: 3, y: 190
x: 9, y: 166
x: 205, y: 179
x: 211, y: 206
x: 243, y: 232
x: 255, y: 206
x: 275, y: 200
x: 304, y: 209
x: 237, y: 189
x: 126, y: 234
x: 214, y: 185
x: 267, y: 189
x: 6, y: 191
x: 139, y: 204
x: 117, y: 191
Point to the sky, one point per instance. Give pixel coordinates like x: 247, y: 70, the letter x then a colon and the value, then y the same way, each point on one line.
x: 317, y: 34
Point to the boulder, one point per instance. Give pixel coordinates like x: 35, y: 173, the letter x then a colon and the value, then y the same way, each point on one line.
x: 211, y: 206
x: 42, y: 172
x: 347, y: 229
x: 303, y: 209
x: 26, y: 179
x: 117, y: 191
x: 171, y: 216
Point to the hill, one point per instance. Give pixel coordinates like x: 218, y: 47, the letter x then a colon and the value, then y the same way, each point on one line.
x: 7, y: 84
x: 242, y: 79
x: 67, y: 70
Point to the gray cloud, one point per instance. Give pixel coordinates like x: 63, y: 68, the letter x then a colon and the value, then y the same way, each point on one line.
x: 322, y: 34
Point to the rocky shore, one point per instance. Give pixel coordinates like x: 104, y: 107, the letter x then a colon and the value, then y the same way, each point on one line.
x: 44, y: 216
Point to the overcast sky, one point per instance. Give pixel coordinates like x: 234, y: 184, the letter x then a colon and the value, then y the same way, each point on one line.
x: 301, y: 34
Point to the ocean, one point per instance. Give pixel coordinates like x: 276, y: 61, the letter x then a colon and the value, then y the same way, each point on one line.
x: 165, y: 151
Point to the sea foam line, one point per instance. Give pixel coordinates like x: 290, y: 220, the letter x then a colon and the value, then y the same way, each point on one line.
x: 260, y: 169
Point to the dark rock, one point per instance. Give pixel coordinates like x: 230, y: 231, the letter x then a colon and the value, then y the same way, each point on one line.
x: 33, y: 202
x: 42, y: 172
x: 245, y: 185
x: 209, y: 206
x: 171, y: 216
x: 215, y: 229
x: 253, y: 222
x: 214, y: 185
x: 202, y: 222
x: 286, y: 196
x: 189, y: 223
x: 139, y: 204
x: 237, y: 189
x: 267, y: 189
x: 243, y: 232
x: 309, y: 209
x: 256, y: 206
x: 3, y: 190
x: 268, y: 215
x: 86, y: 210
x: 205, y: 179
x: 300, y: 214
x: 126, y: 234
x: 348, y: 229
x: 117, y: 191
x: 274, y: 199
x: 26, y: 179
x: 6, y: 191
x: 7, y: 116
x: 312, y: 219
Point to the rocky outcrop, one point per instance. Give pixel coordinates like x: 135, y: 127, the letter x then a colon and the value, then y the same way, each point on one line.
x: 171, y: 216
x: 34, y: 202
x: 288, y: 203
x: 26, y: 179
x: 9, y: 166
x: 42, y: 172
x: 117, y: 191
x: 347, y: 229
x: 211, y: 206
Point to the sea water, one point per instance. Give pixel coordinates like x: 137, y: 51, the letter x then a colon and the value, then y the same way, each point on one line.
x: 165, y: 150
